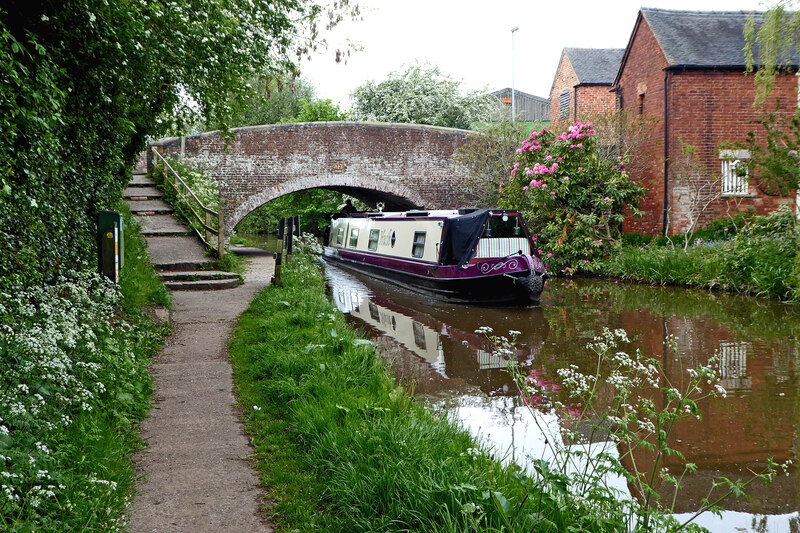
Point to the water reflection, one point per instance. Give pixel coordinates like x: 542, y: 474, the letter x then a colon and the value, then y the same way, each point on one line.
x: 434, y: 345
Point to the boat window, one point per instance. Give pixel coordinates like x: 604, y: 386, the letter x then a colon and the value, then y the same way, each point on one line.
x: 418, y: 249
x: 498, y: 228
x: 353, y: 237
x: 340, y: 236
x: 373, y: 239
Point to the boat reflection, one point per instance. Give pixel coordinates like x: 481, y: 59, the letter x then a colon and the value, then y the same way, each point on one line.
x: 434, y: 346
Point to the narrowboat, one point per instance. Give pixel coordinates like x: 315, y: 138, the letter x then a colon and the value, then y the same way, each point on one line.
x: 484, y: 256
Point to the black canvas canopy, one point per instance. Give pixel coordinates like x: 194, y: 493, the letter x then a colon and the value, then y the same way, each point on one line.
x: 461, y: 235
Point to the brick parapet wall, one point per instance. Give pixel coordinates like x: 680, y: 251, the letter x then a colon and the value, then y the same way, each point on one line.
x: 403, y: 164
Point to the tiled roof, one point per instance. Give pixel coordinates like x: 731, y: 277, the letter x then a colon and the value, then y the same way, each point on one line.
x: 595, y: 66
x: 702, y: 38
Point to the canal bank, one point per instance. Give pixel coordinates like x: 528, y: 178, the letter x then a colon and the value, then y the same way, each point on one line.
x: 755, y: 340
x: 341, y: 448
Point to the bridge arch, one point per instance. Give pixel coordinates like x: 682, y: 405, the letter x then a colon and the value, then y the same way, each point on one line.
x: 403, y: 165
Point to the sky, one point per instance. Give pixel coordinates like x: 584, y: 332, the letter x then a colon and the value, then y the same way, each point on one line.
x: 471, y: 40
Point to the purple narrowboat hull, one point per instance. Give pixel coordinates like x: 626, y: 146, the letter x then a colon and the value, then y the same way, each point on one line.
x: 513, y: 280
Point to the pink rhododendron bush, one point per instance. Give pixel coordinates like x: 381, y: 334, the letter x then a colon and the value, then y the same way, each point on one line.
x: 573, y: 200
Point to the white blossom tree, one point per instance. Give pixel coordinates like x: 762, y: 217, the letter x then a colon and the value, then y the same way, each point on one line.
x: 421, y: 94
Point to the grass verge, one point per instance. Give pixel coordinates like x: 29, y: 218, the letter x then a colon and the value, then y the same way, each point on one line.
x: 762, y: 259
x: 75, y: 381
x: 340, y: 447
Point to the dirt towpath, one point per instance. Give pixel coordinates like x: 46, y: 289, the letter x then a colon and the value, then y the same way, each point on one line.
x: 196, y: 473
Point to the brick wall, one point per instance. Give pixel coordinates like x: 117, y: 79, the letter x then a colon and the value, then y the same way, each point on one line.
x: 404, y: 165
x: 641, y: 87
x: 594, y: 99
x: 565, y: 80
x: 705, y: 108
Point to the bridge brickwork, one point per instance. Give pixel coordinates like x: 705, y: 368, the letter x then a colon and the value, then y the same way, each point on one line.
x: 403, y: 165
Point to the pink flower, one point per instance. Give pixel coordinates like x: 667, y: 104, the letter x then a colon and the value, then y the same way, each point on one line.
x: 552, y: 193
x: 566, y: 178
x: 580, y: 168
x: 549, y: 256
x: 607, y: 199
x: 579, y: 145
x: 541, y: 252
x: 597, y: 242
x: 548, y: 157
x: 525, y: 188
x: 501, y: 183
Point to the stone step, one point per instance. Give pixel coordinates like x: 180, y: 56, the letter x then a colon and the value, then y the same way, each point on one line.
x: 202, y: 285
x: 149, y: 207
x: 141, y: 180
x: 155, y: 224
x: 178, y: 253
x: 142, y: 193
x: 185, y: 266
x: 197, y: 275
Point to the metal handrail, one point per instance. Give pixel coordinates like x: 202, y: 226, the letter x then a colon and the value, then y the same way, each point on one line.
x: 189, y: 197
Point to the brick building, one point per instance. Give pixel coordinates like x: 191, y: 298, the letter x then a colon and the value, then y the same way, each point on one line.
x: 582, y: 83
x: 687, y: 70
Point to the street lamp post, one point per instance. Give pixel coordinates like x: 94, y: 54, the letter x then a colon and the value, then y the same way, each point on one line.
x: 513, y: 96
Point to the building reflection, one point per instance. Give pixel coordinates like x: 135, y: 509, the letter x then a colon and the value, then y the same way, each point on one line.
x: 434, y: 347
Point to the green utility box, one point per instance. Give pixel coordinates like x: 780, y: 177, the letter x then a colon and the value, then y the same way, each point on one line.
x: 110, y: 244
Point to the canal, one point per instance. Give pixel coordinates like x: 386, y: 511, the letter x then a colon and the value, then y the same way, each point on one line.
x: 434, y: 348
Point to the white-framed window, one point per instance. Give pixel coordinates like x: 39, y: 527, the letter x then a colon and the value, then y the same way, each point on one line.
x: 353, y: 237
x: 418, y: 247
x: 373, y: 239
x: 735, y: 180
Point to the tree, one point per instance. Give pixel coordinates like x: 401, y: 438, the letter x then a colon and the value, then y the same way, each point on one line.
x: 319, y: 111
x: 269, y: 102
x: 772, y: 43
x: 421, y: 95
x: 84, y: 83
x: 488, y: 157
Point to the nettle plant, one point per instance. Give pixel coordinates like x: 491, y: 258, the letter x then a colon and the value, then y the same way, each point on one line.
x: 607, y: 433
x: 573, y: 199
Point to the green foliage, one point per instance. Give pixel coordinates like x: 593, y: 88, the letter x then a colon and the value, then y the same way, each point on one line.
x: 572, y: 199
x: 421, y: 95
x: 775, y: 163
x: 319, y: 111
x: 139, y: 284
x: 774, y: 37
x: 760, y: 259
x: 75, y: 383
x: 342, y: 448
x: 269, y: 102
x: 313, y: 206
x: 83, y: 83
x: 488, y: 157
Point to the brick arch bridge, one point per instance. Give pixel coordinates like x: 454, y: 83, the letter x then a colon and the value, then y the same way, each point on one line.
x: 403, y: 165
